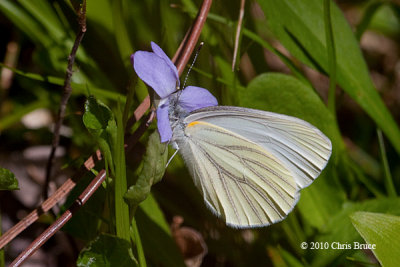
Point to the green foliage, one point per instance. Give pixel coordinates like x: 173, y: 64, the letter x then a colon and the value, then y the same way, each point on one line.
x: 106, y: 250
x: 158, y: 244
x: 340, y: 229
x: 119, y: 225
x: 380, y: 231
x: 154, y: 162
x: 8, y: 180
x: 297, y: 24
x: 100, y: 122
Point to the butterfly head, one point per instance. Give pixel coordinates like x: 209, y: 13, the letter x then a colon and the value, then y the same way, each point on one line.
x: 157, y: 71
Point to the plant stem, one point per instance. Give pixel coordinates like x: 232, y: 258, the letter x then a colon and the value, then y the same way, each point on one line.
x: 136, y: 238
x: 121, y: 208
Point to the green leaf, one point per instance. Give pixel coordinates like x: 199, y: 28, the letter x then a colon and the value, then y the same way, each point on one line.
x: 340, y: 229
x: 97, y: 115
x: 8, y: 180
x: 106, y: 250
x: 386, y: 20
x: 284, y: 258
x: 382, y: 232
x: 100, y: 122
x: 321, y: 199
x: 159, y: 247
x: 154, y: 162
x: 298, y: 25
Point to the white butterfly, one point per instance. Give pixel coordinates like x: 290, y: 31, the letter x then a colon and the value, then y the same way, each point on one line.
x: 248, y: 164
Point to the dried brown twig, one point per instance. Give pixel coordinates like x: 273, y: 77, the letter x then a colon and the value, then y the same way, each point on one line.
x: 62, y: 220
x: 188, y: 44
x: 65, y: 97
x: 180, y: 59
x: 49, y: 203
x: 238, y: 31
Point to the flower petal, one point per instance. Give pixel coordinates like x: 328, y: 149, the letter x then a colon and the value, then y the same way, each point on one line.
x: 164, y: 127
x: 193, y: 98
x: 155, y: 72
x: 159, y: 52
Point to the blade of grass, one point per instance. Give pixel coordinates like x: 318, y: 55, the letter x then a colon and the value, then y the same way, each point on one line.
x: 330, y: 49
x: 121, y: 32
x: 76, y: 87
x: 257, y: 39
x: 43, y: 13
x: 24, y: 22
x: 390, y: 189
x: 365, y: 180
x: 128, y: 102
x: 294, y: 232
x: 136, y: 239
x: 294, y: 25
x: 367, y: 17
x: 220, y: 80
x: 121, y: 208
x: 296, y: 72
x: 238, y: 35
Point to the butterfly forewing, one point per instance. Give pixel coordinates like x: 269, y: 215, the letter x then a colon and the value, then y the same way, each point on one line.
x: 301, y: 148
x: 240, y: 180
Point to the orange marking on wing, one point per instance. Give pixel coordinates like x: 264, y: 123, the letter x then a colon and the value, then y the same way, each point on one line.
x: 193, y: 123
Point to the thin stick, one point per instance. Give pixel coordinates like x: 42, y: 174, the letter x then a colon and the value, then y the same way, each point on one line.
x: 60, y: 222
x: 65, y: 97
x: 238, y: 31
x: 190, y: 43
x: 49, y: 203
x: 139, y: 112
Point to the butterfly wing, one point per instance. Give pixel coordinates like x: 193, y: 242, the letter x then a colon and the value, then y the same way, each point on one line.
x: 240, y: 180
x: 300, y: 147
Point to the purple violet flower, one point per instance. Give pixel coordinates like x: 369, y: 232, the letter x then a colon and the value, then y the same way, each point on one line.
x: 157, y: 71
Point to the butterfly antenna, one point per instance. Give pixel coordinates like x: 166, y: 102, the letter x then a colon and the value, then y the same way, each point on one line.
x: 170, y: 159
x: 191, y: 66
